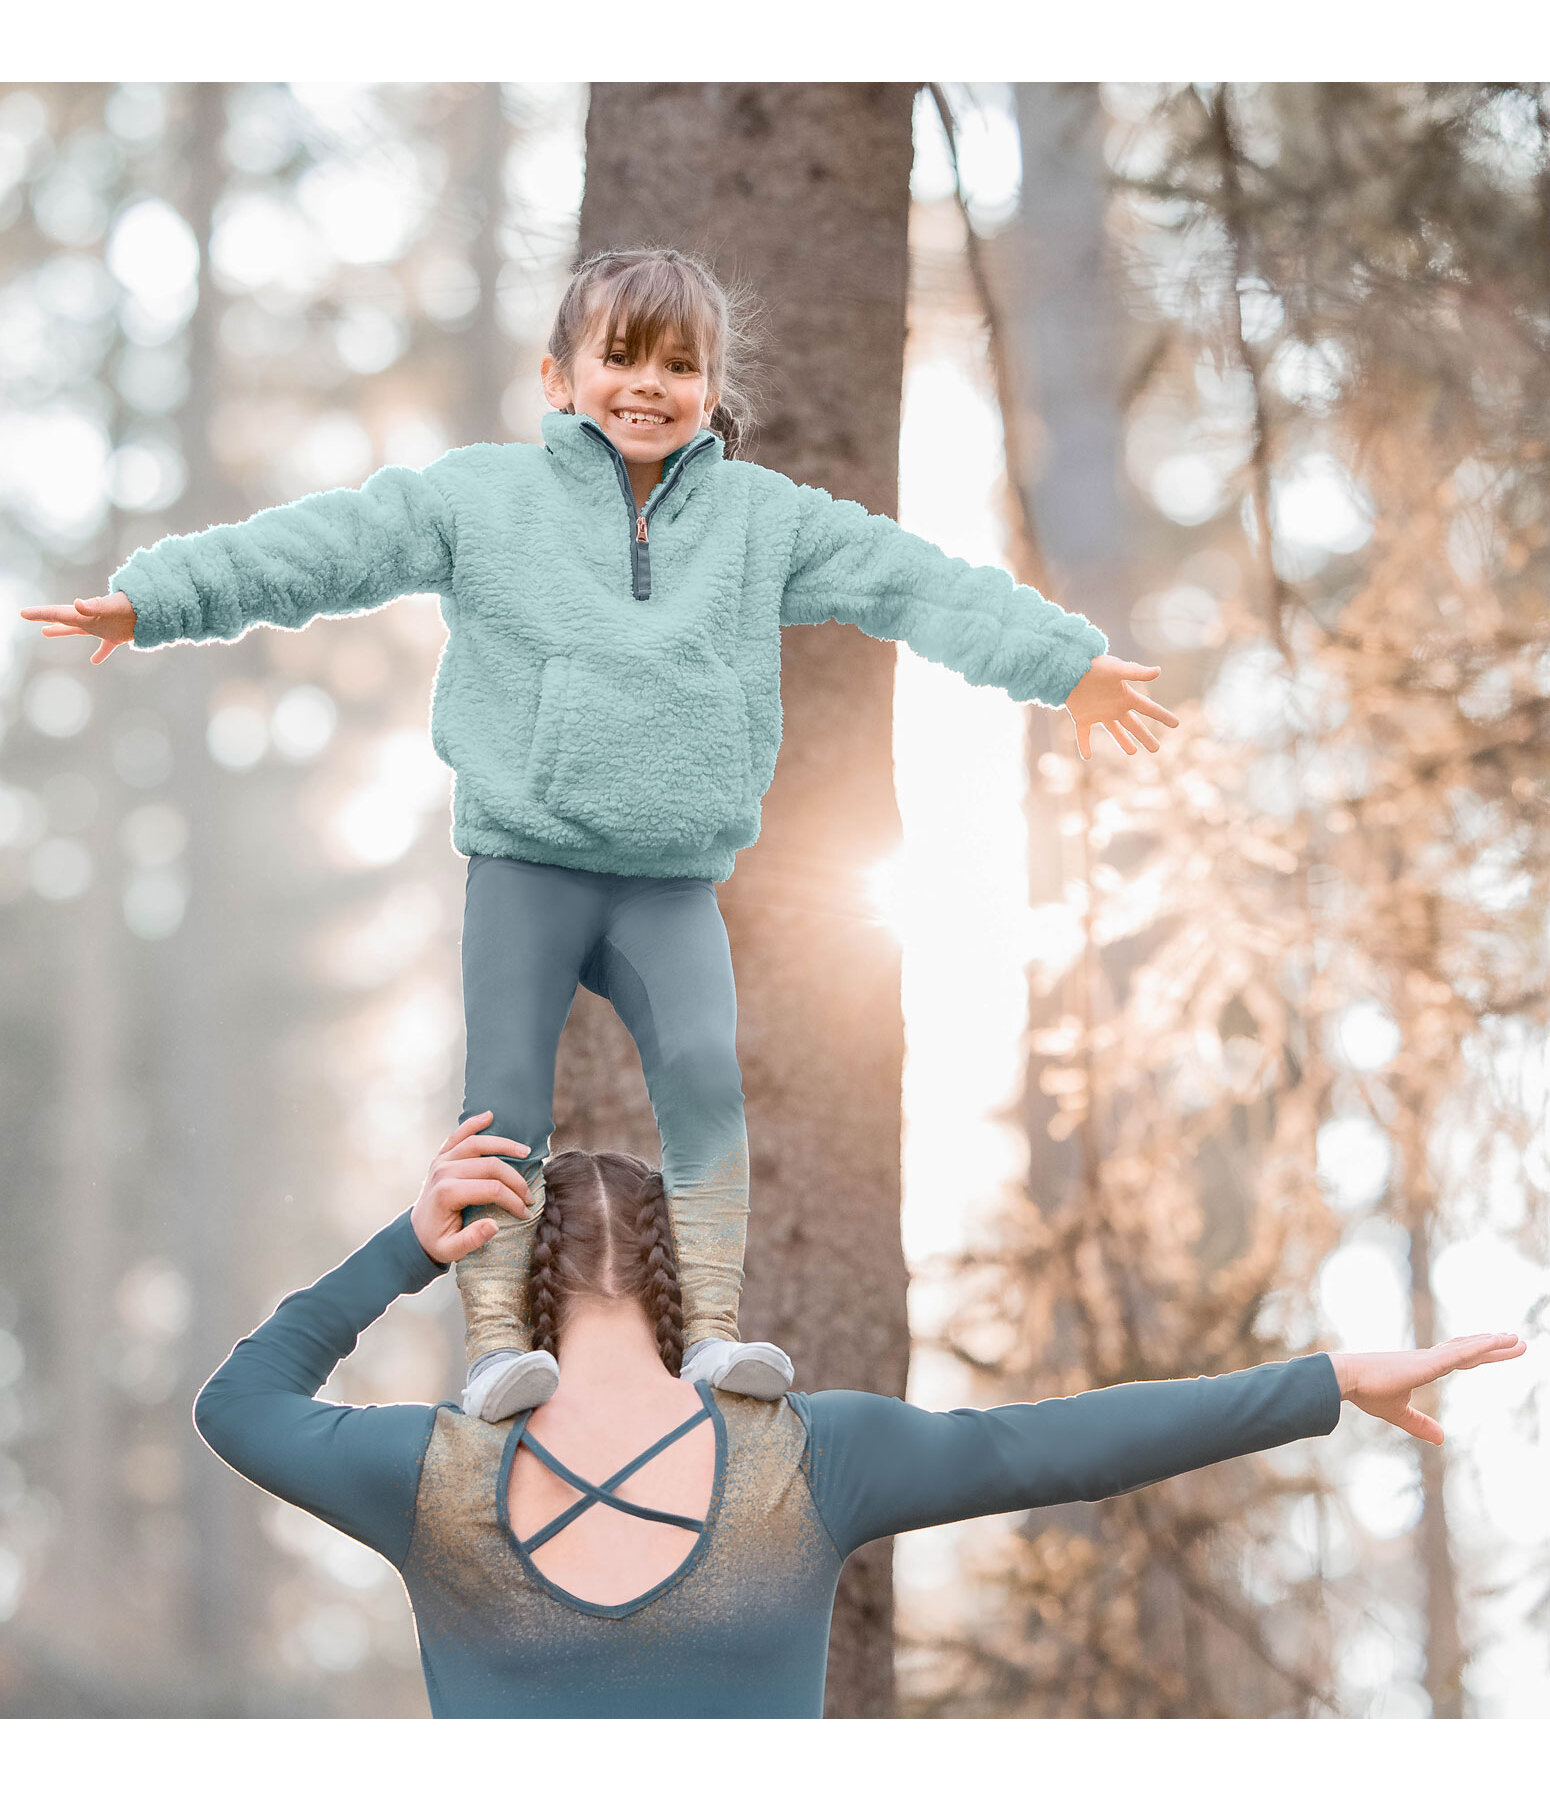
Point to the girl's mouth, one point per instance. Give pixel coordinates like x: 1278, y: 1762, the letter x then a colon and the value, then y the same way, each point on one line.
x: 633, y: 417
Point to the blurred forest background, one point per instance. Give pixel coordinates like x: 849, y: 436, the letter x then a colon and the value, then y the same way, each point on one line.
x: 1199, y: 1059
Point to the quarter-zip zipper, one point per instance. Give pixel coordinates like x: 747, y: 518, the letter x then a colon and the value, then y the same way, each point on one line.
x: 640, y: 537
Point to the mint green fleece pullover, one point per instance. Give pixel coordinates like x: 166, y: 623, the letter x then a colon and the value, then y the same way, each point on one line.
x: 609, y: 692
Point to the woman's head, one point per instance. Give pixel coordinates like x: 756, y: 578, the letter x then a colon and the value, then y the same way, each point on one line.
x: 604, y: 1234
x: 652, y: 331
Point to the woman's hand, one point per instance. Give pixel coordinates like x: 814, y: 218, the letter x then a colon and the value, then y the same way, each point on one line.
x: 1105, y: 697
x: 1381, y: 1382
x: 467, y: 1171
x: 110, y: 617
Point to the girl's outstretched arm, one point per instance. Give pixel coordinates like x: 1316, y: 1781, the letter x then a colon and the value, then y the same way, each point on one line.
x: 109, y: 617
x: 878, y: 1466
x: 863, y: 569
x: 343, y: 551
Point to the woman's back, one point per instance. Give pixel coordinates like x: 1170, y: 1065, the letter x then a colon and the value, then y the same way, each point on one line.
x: 739, y: 1626
x: 575, y: 1459
x: 727, y: 1621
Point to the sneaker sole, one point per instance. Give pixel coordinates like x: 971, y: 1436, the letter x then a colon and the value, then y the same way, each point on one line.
x: 757, y: 1376
x: 520, y: 1390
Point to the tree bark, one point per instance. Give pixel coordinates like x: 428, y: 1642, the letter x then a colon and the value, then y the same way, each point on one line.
x: 801, y: 191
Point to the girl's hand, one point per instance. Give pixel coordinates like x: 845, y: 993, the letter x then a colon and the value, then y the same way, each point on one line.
x: 110, y: 617
x: 1105, y: 697
x: 1381, y: 1382
x: 467, y: 1171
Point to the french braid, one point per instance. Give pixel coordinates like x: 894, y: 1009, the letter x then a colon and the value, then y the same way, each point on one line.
x: 664, y: 1301
x: 544, y: 1275
x: 605, y: 1231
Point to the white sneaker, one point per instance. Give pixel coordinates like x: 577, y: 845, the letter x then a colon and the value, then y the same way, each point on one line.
x: 506, y: 1382
x: 762, y: 1371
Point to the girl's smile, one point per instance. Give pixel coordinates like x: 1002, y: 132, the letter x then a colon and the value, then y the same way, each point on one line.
x: 648, y: 407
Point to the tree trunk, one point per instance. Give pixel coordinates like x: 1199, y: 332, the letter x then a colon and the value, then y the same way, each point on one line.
x: 802, y: 191
x: 484, y: 362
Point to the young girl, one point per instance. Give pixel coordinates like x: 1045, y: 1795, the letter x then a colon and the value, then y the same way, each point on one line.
x: 609, y: 700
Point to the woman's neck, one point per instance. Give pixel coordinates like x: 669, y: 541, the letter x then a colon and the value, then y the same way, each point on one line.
x: 608, y: 1346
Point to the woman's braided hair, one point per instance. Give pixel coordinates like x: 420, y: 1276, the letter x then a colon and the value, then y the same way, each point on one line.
x: 605, y: 1231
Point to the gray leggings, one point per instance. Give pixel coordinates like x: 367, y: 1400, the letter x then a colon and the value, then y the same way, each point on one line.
x: 657, y: 952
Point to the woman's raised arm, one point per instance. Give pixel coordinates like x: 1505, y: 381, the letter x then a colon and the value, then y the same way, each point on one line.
x: 357, y: 1467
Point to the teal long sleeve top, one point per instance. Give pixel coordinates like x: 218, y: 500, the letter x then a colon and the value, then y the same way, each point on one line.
x: 609, y: 693
x: 741, y: 1628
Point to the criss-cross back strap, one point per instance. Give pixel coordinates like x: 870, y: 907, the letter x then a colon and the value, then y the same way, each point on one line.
x: 593, y: 1493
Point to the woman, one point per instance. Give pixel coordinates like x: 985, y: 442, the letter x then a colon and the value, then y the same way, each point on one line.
x: 636, y: 1547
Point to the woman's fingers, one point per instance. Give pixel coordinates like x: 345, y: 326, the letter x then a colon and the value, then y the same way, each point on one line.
x: 1421, y: 1425
x: 459, y: 1244
x: 492, y: 1169
x: 1483, y: 1347
x: 490, y: 1146
x: 466, y: 1129
x: 456, y: 1196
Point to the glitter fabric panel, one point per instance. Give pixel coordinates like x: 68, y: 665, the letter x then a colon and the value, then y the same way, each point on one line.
x: 741, y: 1632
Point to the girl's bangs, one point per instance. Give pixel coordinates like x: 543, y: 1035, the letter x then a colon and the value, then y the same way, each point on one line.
x: 650, y: 300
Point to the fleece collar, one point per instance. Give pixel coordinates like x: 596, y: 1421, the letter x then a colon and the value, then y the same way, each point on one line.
x: 584, y: 459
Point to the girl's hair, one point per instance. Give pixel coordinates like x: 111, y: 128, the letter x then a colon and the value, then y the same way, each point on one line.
x: 604, y: 1231
x: 638, y: 295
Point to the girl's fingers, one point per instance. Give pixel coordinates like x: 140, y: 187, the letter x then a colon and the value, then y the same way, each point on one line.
x: 1139, y: 731
x: 1139, y: 671
x: 1144, y: 703
x: 1120, y: 735
x: 67, y: 631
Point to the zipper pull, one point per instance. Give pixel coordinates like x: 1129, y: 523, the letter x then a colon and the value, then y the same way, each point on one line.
x: 640, y: 528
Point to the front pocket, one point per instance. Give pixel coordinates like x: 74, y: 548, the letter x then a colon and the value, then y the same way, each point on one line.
x: 651, y: 756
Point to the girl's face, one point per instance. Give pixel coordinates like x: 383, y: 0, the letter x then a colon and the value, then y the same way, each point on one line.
x: 649, y: 407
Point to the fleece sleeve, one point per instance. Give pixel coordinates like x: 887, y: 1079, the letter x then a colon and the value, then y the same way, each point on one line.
x: 356, y: 1467
x: 863, y: 569
x: 344, y: 551
x: 877, y: 1466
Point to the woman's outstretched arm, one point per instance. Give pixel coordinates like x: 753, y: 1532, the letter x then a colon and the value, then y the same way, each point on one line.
x: 878, y: 1466
x: 357, y: 1467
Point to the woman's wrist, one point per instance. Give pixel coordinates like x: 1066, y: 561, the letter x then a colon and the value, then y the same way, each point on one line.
x: 1340, y: 1361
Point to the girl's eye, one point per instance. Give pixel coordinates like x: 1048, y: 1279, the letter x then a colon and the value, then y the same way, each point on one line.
x: 615, y: 356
